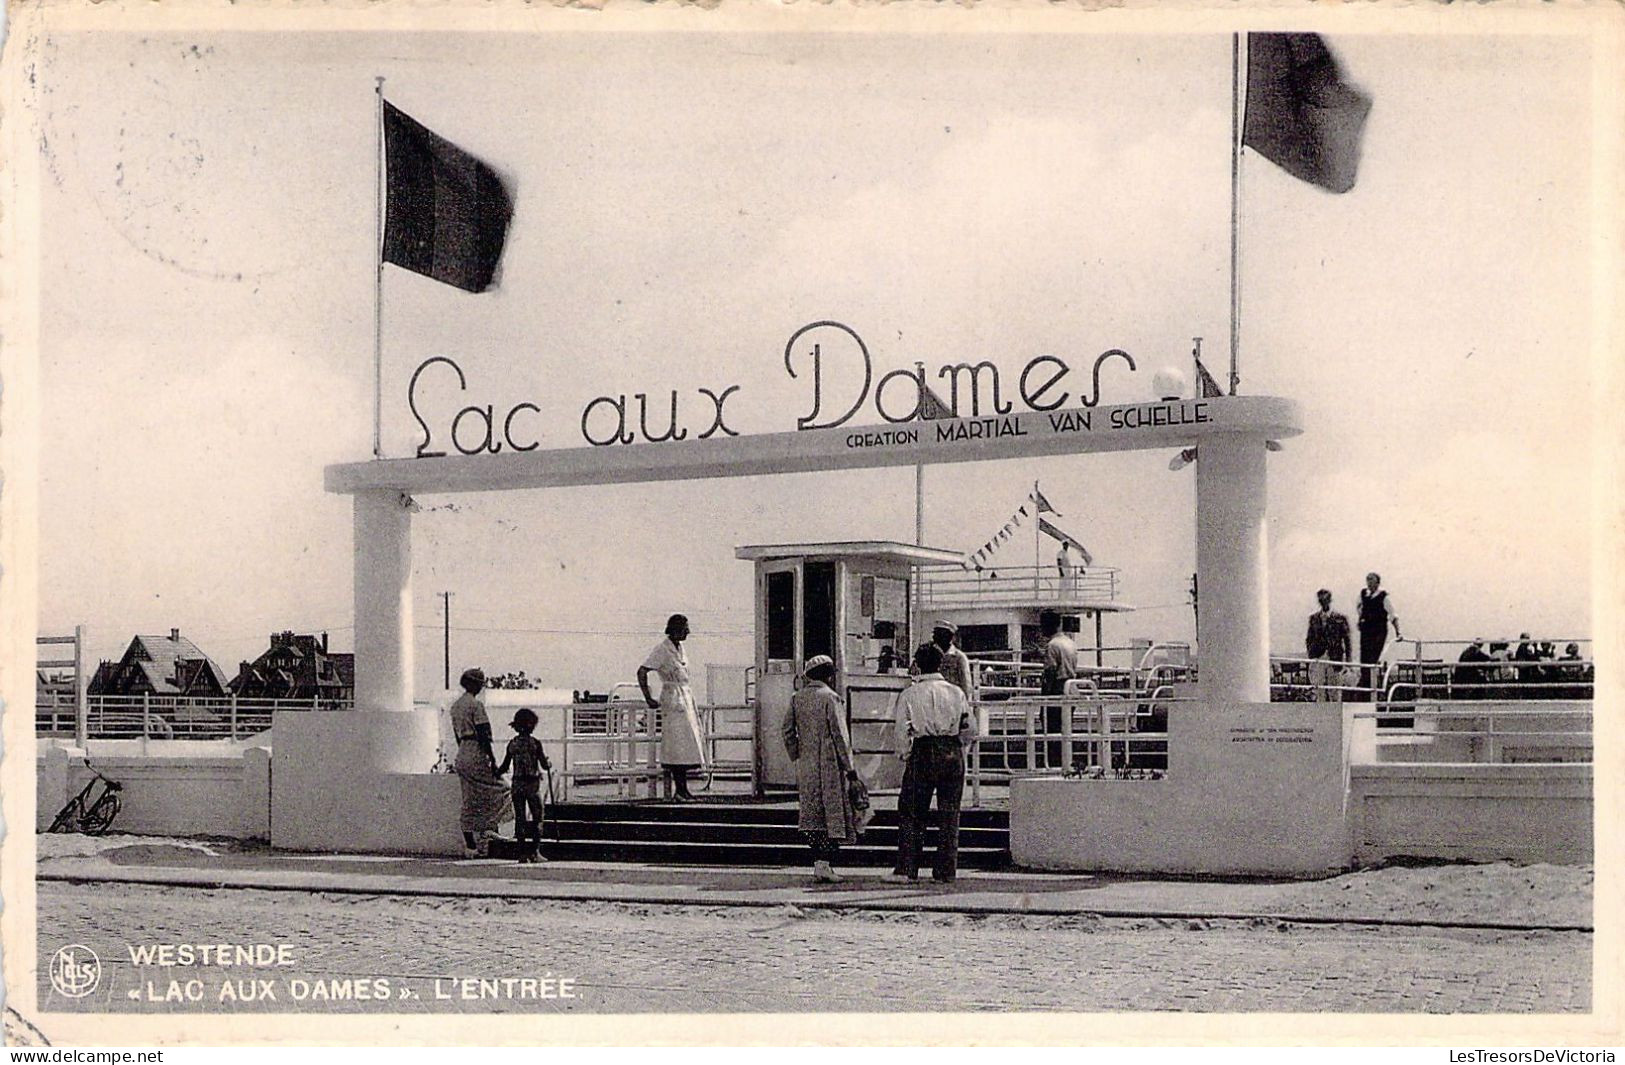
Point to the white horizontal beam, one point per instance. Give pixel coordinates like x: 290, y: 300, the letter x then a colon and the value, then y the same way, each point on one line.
x: 1076, y: 430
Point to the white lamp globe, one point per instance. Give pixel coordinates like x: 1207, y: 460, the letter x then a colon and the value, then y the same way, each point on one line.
x: 1169, y: 383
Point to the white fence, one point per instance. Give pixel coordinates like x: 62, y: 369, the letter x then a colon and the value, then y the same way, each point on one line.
x: 161, y: 717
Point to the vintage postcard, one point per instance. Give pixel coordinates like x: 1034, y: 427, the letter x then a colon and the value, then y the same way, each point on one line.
x: 545, y: 523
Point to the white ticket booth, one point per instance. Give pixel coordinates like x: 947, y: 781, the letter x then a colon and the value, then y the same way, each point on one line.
x: 850, y: 601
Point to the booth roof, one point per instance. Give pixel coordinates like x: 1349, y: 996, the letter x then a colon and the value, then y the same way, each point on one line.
x: 889, y: 550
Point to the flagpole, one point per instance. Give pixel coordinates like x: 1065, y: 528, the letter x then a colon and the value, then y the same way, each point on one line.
x: 1038, y: 548
x: 1235, y: 211
x: 378, y: 283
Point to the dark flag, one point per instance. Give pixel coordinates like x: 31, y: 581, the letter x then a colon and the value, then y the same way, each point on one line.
x: 931, y: 407
x: 1206, y: 386
x: 447, y: 213
x: 1301, y: 114
x: 1051, y: 531
x: 1044, y: 505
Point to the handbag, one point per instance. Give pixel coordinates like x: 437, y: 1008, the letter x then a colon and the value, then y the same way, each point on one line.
x: 857, y: 795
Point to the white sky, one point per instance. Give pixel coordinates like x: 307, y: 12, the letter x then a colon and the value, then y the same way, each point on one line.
x: 683, y: 205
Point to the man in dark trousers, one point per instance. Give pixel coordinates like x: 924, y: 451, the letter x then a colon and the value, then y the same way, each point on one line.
x: 1328, y: 643
x: 932, y: 724
x: 1376, y: 613
x: 1060, y: 666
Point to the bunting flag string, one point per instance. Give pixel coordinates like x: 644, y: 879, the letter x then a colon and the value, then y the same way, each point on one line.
x: 1035, y: 504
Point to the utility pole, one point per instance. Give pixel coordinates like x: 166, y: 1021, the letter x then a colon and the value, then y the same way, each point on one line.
x: 446, y: 596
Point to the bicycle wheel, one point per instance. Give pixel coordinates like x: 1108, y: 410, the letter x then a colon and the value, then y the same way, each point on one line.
x: 99, y: 818
x: 67, y: 820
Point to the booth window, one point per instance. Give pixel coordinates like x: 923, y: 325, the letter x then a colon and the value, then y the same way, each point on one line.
x: 818, y: 610
x: 983, y: 638
x: 781, y: 616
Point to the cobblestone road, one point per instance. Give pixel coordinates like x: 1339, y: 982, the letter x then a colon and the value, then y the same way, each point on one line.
x: 639, y: 958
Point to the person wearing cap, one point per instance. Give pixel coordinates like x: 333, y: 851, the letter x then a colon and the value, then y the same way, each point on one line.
x: 486, y: 803
x: 1329, y: 643
x: 955, y: 663
x: 932, y: 723
x: 681, y: 750
x: 815, y: 736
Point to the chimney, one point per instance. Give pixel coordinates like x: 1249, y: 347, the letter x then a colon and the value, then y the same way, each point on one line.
x: 324, y: 643
x: 174, y: 635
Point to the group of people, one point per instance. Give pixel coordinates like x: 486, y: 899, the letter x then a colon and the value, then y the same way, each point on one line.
x: 487, y: 801
x: 932, y: 725
x: 1494, y: 670
x: 1483, y: 671
x: 1329, y: 642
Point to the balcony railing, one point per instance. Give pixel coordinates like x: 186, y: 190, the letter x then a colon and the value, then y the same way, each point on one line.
x: 1018, y: 586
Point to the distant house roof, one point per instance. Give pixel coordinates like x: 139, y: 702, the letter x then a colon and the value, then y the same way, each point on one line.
x: 170, y: 665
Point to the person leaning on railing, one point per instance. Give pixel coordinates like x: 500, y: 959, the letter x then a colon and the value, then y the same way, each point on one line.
x: 1376, y: 614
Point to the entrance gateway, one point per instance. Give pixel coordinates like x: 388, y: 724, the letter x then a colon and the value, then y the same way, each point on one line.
x: 386, y: 743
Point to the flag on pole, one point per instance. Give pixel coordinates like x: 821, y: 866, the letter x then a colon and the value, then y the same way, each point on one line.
x: 1051, y: 531
x: 447, y: 212
x: 1044, y: 506
x: 931, y: 407
x: 1206, y: 386
x: 1301, y: 115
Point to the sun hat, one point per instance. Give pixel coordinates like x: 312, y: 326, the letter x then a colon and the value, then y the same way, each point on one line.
x: 815, y: 661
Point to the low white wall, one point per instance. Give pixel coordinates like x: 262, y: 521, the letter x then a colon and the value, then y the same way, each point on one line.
x: 177, y: 795
x: 1251, y: 788
x: 1532, y: 813
x: 359, y: 782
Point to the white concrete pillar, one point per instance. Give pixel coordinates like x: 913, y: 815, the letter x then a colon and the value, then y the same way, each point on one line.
x: 383, y: 600
x: 1232, y: 630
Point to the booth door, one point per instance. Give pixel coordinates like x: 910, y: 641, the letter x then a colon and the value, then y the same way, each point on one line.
x: 779, y: 656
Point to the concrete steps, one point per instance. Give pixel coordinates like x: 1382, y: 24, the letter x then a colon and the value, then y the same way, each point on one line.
x: 742, y: 833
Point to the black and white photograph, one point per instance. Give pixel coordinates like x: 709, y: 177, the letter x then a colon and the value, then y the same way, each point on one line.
x: 548, y: 524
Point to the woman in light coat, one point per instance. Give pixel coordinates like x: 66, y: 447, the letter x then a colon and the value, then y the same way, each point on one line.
x: 816, y: 737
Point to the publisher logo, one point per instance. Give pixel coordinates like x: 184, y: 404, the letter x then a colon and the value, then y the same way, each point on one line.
x: 75, y: 971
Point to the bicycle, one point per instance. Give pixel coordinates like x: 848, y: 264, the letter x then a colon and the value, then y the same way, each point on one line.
x: 93, y: 818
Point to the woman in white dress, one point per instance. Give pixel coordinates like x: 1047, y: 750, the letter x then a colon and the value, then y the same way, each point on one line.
x: 681, y: 750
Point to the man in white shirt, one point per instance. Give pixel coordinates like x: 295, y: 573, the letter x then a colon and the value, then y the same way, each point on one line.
x: 932, y: 723
x: 1060, y: 666
x: 955, y: 663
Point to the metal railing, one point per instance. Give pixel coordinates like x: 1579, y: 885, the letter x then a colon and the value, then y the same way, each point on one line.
x: 613, y: 749
x: 1321, y: 680
x: 1493, y: 733
x: 1076, y: 734
x: 1434, y: 669
x: 1017, y: 585
x: 167, y: 717
x: 1004, y: 674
